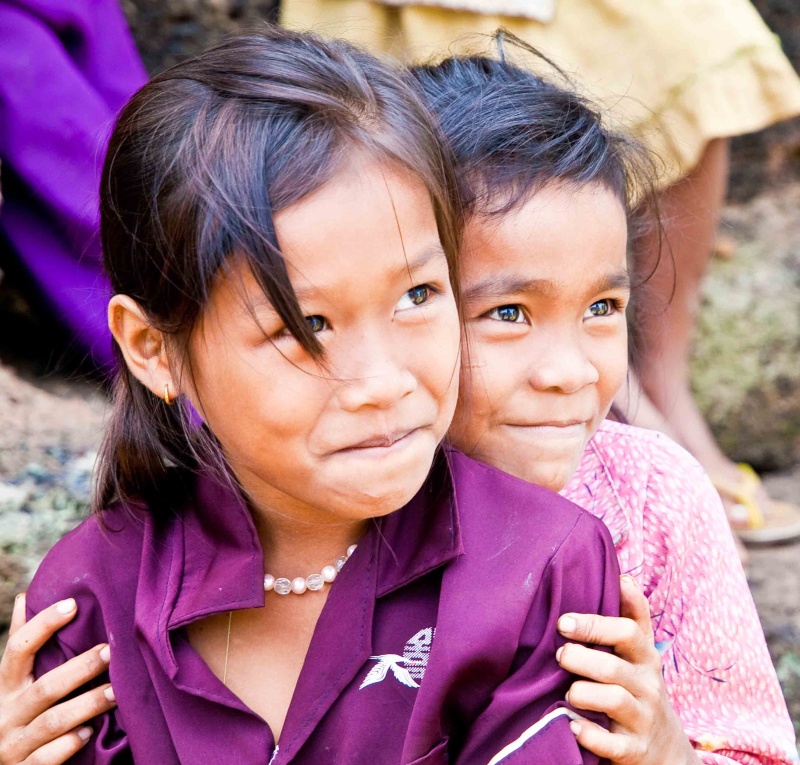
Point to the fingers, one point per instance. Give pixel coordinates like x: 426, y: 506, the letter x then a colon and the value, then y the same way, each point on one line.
x: 53, y: 686
x: 612, y: 700
x: 18, y: 614
x: 63, y: 718
x: 61, y: 749
x: 634, y: 605
x: 16, y: 663
x: 616, y: 747
x: 623, y: 635
x: 596, y: 665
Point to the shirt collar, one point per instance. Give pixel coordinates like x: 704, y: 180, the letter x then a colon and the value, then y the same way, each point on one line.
x: 425, y: 534
x: 222, y: 559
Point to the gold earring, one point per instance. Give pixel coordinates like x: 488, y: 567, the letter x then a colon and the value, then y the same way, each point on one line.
x: 167, y: 398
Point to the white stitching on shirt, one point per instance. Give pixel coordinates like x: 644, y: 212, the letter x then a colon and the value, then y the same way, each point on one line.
x: 532, y: 731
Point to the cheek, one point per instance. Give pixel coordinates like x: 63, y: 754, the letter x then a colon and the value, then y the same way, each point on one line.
x: 488, y: 382
x: 612, y: 365
x: 253, y: 400
x: 436, y: 357
x: 489, y: 376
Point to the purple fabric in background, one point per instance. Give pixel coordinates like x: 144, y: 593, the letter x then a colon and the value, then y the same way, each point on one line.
x: 66, y: 68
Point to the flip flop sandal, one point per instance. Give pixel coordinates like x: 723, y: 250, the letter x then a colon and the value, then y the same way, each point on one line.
x: 781, y: 523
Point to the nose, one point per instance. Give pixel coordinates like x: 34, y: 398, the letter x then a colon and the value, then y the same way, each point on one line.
x: 561, y: 364
x: 375, y: 376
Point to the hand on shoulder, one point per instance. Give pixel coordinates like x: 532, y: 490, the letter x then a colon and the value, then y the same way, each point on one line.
x: 626, y: 685
x: 36, y: 725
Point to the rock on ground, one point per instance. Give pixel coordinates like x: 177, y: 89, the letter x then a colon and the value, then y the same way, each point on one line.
x: 49, y: 434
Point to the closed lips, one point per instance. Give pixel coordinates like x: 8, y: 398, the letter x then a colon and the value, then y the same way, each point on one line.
x: 382, y: 440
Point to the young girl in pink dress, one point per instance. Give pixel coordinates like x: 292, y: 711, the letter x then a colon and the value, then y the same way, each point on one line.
x: 546, y: 284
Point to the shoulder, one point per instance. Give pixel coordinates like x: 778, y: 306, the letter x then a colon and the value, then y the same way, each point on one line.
x: 626, y: 449
x: 515, y: 523
x: 665, y: 471
x: 96, y: 562
x: 635, y: 469
x: 528, y: 555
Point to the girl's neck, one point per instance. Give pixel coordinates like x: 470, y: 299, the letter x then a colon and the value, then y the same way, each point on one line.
x: 298, y: 546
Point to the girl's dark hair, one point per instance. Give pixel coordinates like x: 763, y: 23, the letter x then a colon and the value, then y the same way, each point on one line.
x: 200, y: 161
x: 512, y: 132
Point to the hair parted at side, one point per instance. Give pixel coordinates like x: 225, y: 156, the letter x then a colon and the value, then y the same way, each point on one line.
x: 513, y: 131
x: 199, y: 162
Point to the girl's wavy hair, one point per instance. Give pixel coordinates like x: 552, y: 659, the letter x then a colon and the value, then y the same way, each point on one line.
x: 199, y: 162
x: 513, y: 131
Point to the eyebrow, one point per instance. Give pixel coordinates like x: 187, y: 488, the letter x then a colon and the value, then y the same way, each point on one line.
x: 410, y: 266
x: 503, y: 285
x: 418, y: 262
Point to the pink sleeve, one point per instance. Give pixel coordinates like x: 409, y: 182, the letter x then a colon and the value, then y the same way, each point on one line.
x: 717, y: 670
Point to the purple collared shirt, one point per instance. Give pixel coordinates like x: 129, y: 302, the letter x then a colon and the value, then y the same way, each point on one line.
x: 436, y: 644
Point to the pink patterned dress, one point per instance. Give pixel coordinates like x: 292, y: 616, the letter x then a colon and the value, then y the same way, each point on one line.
x: 672, y: 536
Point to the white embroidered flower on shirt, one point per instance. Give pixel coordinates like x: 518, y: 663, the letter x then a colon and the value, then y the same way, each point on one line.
x: 414, y: 661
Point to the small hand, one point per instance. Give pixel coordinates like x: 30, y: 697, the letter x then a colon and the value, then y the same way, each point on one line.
x: 35, y: 728
x: 626, y: 685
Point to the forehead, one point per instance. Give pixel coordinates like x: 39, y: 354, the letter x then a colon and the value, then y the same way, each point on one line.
x: 561, y: 234
x: 367, y: 222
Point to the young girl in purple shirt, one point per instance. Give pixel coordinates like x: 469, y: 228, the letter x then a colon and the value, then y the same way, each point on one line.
x: 284, y: 565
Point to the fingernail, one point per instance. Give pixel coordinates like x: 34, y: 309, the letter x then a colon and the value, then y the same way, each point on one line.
x: 558, y: 654
x: 66, y: 606
x: 575, y: 727
x: 85, y: 733
x: 567, y: 625
x: 105, y: 653
x: 109, y: 694
x: 630, y: 579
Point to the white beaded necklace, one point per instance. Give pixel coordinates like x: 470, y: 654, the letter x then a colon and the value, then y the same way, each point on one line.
x: 313, y: 582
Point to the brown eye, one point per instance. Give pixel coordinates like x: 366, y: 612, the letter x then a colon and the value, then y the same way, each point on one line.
x: 599, y: 308
x: 418, y: 295
x: 509, y: 313
x: 316, y: 323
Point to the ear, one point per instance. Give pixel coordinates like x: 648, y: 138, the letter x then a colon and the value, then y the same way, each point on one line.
x: 142, y: 345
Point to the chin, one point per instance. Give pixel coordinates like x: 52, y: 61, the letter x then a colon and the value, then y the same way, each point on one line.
x: 553, y: 476
x: 372, y: 496
x: 550, y: 474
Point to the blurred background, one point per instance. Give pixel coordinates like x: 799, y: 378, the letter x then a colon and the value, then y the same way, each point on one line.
x: 745, y: 368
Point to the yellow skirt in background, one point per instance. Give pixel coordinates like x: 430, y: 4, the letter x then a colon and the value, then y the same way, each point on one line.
x: 678, y: 73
